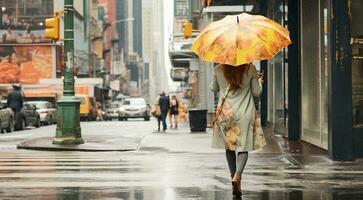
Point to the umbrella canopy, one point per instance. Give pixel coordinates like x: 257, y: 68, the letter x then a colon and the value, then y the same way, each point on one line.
x: 241, y: 39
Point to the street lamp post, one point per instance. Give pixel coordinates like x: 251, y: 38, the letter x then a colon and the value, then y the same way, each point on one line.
x: 68, y: 118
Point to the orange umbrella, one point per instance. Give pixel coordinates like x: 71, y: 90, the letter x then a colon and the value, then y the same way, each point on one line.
x: 241, y: 39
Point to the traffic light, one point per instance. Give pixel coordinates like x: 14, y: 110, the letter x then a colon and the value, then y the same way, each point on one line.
x: 188, y: 29
x: 52, y: 28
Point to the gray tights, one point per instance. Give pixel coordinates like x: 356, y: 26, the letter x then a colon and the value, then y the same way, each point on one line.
x: 236, y: 167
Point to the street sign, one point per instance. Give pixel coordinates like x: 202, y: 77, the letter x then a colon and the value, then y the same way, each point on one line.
x: 183, y: 9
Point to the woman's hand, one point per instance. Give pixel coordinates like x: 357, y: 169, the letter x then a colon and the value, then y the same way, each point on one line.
x: 260, y: 78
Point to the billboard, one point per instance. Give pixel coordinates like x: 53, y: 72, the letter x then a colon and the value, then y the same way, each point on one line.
x: 25, y: 63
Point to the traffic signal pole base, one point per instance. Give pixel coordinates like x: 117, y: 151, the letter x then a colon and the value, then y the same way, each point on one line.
x: 68, y: 141
x: 68, y: 122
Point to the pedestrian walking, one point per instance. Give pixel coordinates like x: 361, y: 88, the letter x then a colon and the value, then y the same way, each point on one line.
x: 156, y: 111
x: 174, y: 111
x: 164, y: 103
x: 15, y: 99
x: 15, y: 102
x: 237, y: 116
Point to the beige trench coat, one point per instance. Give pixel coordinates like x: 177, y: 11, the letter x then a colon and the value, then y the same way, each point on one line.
x: 234, y: 128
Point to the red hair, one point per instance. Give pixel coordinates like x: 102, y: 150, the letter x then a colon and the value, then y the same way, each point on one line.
x: 234, y: 75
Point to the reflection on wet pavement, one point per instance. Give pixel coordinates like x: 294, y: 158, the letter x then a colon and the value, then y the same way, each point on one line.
x: 176, y: 165
x: 176, y: 193
x: 162, y: 175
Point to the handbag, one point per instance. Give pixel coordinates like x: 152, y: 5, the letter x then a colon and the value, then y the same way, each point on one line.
x: 155, y: 111
x: 259, y: 140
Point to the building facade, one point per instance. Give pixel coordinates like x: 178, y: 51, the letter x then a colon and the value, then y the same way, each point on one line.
x: 147, y: 40
x: 313, y: 89
x: 94, y: 32
x: 186, y: 68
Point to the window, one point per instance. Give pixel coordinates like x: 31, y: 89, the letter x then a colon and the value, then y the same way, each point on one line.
x: 27, y: 106
x: 22, y: 13
x: 2, y: 106
x: 134, y: 102
x: 113, y: 105
x: 314, y: 71
x: 277, y: 74
x: 357, y: 62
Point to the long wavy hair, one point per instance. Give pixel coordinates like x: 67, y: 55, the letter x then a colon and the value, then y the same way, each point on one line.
x: 234, y: 75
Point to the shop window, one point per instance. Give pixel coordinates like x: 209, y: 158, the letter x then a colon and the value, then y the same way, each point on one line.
x: 277, y: 74
x: 314, y: 71
x: 357, y: 62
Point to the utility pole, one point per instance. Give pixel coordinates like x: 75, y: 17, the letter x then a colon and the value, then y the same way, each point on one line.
x: 68, y: 120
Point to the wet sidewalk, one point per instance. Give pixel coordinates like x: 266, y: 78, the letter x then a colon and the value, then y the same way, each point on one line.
x: 176, y: 164
x: 276, y: 144
x: 281, y: 170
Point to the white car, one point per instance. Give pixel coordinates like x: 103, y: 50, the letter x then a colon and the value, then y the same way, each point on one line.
x: 134, y: 108
x: 7, y: 118
x: 112, y: 110
x: 46, y: 110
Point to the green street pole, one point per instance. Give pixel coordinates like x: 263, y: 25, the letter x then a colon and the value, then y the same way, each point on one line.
x: 68, y: 125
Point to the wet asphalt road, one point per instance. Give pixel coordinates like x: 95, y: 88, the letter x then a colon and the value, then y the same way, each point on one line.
x: 172, y: 165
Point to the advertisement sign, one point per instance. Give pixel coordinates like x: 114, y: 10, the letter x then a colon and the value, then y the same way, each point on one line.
x: 183, y: 9
x: 25, y: 63
x: 14, y: 36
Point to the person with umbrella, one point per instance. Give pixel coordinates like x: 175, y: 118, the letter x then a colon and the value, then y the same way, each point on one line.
x: 235, y: 42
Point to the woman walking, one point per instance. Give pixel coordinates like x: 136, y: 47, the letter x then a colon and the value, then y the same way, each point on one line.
x: 234, y: 126
x: 235, y: 41
x: 174, y: 111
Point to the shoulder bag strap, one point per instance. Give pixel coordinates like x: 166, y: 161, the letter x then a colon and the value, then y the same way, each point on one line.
x: 219, y: 111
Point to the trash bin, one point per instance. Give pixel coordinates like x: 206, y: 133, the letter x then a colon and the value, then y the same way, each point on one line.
x: 197, y: 119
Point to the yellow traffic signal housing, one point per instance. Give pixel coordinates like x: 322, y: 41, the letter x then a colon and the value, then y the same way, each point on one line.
x: 188, y: 29
x: 52, y: 28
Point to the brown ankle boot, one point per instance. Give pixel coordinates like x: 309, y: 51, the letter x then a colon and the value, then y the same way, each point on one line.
x: 236, y: 185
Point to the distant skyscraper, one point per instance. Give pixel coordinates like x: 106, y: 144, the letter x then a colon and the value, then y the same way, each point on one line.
x: 147, y: 43
x: 143, y: 38
x: 137, y: 26
x: 159, y: 74
x: 147, y: 29
x: 121, y: 14
x: 131, y: 30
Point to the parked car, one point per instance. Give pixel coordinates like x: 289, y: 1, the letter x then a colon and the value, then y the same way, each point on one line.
x: 134, y: 108
x: 112, y: 110
x: 7, y: 119
x: 46, y: 110
x: 88, y: 108
x: 28, y: 116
